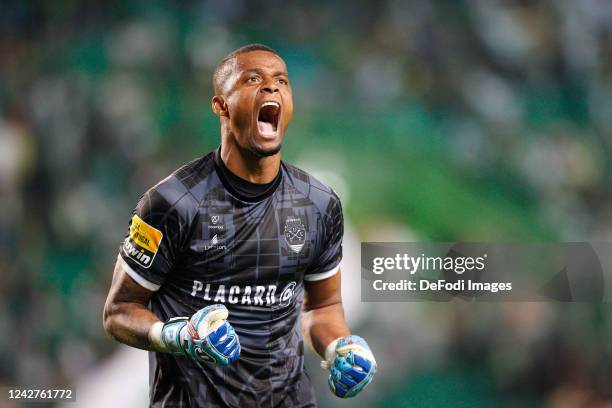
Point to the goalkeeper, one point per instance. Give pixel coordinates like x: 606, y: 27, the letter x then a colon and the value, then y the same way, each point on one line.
x: 223, y: 257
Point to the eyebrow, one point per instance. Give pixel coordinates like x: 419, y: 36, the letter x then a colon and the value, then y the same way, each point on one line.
x: 261, y: 72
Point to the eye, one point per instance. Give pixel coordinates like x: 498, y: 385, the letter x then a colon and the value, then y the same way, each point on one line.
x: 253, y: 79
x: 282, y: 81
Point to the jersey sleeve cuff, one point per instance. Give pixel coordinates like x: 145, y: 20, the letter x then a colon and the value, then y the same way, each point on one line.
x: 323, y: 275
x: 136, y: 276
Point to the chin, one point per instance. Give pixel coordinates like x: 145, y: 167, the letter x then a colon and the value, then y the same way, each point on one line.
x: 266, y: 151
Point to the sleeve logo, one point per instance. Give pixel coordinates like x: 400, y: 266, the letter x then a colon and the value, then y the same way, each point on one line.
x: 143, y: 242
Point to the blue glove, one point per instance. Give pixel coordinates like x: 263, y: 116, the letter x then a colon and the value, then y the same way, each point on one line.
x: 206, y: 337
x: 352, y: 366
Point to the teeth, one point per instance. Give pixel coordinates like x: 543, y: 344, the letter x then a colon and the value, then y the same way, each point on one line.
x: 270, y: 103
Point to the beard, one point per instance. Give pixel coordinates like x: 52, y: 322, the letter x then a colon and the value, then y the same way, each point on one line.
x: 261, y: 152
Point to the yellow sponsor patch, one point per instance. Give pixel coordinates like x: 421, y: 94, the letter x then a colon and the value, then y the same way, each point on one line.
x: 143, y: 242
x: 144, y: 235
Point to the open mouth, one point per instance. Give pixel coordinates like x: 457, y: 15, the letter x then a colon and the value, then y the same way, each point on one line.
x: 267, y: 119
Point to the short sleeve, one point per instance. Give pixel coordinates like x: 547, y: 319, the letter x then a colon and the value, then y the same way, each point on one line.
x: 154, y: 239
x: 327, y: 262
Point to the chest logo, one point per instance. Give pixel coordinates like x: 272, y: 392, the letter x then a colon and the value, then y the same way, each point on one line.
x: 295, y: 234
x: 216, y: 231
x: 287, y: 294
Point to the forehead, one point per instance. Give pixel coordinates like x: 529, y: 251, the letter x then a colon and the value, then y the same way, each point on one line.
x: 261, y: 60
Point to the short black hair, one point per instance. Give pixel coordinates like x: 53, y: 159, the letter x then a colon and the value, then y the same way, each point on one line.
x: 223, y: 68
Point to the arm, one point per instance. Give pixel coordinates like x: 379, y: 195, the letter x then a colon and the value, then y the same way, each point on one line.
x: 157, y: 232
x: 206, y: 336
x: 322, y: 315
x: 127, y: 317
x: 349, y: 358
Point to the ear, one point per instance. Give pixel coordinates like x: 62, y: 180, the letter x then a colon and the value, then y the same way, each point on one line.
x: 219, y: 106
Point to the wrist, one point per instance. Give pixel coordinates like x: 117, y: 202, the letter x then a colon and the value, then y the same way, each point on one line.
x: 344, y: 345
x: 330, y: 354
x: 169, y: 337
x: 155, y: 336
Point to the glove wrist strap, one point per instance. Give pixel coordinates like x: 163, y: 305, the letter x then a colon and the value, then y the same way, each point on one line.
x: 172, y: 335
x: 330, y: 354
x: 155, y: 334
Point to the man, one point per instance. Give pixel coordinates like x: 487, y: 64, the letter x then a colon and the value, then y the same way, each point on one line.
x: 223, y: 256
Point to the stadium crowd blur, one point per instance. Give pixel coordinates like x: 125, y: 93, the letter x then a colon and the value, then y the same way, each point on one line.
x: 467, y: 120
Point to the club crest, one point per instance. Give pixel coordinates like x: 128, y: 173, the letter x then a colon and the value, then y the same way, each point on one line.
x: 295, y: 234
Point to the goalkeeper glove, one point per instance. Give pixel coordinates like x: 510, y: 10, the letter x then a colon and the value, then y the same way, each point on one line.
x: 352, y: 366
x: 206, y: 337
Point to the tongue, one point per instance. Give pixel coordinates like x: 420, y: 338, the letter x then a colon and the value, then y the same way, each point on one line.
x: 265, y: 127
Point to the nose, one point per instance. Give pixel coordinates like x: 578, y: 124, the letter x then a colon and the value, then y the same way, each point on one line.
x: 269, y: 87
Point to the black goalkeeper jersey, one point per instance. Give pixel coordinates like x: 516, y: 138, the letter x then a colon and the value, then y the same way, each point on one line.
x: 195, y: 240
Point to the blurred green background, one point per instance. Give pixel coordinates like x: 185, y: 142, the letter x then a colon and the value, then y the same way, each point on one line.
x: 434, y: 120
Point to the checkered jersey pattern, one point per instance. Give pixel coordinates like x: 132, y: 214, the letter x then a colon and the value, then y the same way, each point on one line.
x: 251, y: 256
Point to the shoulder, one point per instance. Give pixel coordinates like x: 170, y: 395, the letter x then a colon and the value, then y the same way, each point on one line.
x: 321, y: 195
x: 183, y: 189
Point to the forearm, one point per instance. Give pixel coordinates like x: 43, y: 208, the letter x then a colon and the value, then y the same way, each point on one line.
x: 131, y: 324
x: 323, y: 325
x: 348, y: 357
x: 126, y: 317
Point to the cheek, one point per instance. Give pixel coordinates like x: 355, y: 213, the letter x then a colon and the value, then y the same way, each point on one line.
x: 240, y: 109
x: 288, y: 112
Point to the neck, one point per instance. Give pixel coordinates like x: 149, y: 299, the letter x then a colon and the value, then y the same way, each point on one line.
x: 248, y: 166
